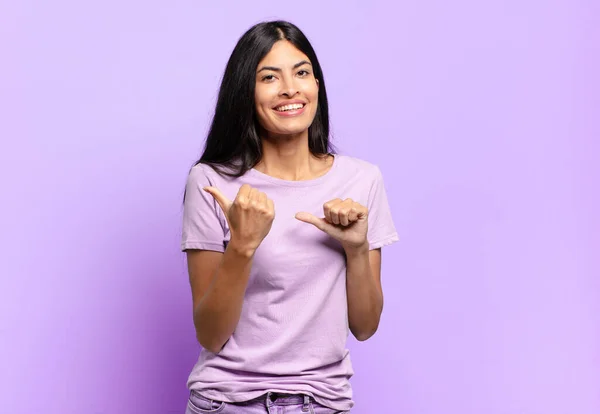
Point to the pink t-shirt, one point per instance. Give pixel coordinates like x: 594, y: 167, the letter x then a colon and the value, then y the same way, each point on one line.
x: 293, y: 328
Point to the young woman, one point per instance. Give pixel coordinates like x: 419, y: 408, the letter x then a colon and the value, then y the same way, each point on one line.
x: 283, y: 239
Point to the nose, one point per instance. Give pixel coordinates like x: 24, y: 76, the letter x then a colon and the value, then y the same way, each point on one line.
x: 288, y: 88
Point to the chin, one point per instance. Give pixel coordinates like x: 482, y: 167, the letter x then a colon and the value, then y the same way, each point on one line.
x: 287, y: 127
x: 289, y: 131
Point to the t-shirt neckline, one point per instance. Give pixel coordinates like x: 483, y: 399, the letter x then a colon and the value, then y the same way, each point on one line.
x: 296, y: 183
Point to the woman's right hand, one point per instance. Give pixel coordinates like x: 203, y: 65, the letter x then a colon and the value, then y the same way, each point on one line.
x: 249, y: 216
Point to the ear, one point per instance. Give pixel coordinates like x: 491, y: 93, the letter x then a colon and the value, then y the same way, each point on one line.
x: 317, y: 82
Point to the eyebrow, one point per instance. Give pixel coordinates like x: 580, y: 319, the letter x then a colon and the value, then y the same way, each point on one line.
x: 275, y: 69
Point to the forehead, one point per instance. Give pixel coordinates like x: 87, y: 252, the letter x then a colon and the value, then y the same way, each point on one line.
x: 283, y: 53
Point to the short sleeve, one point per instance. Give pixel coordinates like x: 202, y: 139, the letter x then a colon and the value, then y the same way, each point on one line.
x: 202, y: 228
x: 382, y: 231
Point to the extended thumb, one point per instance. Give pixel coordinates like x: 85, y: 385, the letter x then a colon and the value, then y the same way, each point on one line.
x: 221, y: 199
x: 311, y: 219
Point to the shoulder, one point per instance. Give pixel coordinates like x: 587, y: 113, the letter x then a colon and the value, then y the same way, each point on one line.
x: 201, y: 170
x: 206, y: 174
x: 351, y: 166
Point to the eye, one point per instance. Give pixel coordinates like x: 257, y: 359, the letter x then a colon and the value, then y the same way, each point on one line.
x: 268, y: 78
x: 303, y: 72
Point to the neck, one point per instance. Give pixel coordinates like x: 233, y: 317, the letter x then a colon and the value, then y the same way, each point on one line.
x: 287, y: 157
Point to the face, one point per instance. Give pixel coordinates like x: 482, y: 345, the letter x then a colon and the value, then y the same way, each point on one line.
x: 286, y: 91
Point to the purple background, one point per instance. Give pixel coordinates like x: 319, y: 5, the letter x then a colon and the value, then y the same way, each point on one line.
x: 483, y: 116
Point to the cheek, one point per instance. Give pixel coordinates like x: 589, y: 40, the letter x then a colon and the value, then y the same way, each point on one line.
x: 262, y: 94
x: 313, y: 96
x: 259, y: 101
x: 311, y: 91
x: 263, y: 117
x: 262, y: 105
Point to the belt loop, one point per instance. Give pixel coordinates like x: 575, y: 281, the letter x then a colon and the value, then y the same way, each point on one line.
x: 306, y: 405
x: 269, y: 402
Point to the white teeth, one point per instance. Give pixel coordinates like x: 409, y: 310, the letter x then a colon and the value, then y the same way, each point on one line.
x: 289, y: 107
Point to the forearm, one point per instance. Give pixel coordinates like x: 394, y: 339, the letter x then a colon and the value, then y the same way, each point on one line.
x: 218, y: 312
x: 365, y: 299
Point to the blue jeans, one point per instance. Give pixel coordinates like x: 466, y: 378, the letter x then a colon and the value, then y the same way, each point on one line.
x: 270, y: 403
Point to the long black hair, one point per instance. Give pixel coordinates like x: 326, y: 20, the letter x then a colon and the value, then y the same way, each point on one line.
x: 233, y: 141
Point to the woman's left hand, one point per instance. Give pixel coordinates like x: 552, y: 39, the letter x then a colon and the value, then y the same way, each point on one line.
x: 345, y: 221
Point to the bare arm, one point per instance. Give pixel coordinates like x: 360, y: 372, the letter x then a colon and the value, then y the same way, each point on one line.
x: 365, y: 295
x: 218, y: 282
x: 346, y: 221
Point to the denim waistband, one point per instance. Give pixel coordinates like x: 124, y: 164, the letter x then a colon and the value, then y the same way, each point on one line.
x: 276, y: 398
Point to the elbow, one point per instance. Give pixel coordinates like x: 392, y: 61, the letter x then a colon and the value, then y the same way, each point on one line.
x: 362, y: 335
x: 209, y: 339
x: 211, y: 346
x: 365, y: 329
x: 214, y: 350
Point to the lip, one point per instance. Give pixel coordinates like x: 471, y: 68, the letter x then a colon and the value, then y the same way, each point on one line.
x: 290, y: 102
x: 294, y: 112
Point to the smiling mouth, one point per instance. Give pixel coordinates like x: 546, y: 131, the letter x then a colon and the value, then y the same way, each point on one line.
x: 292, y: 107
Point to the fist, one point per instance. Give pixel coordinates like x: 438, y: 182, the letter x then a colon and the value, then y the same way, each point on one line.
x: 250, y: 215
x: 345, y: 221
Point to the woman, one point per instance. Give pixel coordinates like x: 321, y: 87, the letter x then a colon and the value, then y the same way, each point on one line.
x: 283, y: 239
